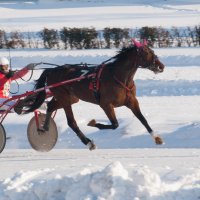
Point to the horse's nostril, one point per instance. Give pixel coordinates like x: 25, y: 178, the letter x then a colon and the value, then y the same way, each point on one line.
x: 161, y: 68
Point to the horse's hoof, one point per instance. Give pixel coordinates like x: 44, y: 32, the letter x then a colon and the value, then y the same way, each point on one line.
x: 92, y: 123
x: 158, y: 140
x: 91, y: 146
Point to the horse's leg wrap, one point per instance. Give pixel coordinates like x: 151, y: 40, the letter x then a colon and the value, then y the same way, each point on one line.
x: 157, y: 138
x: 91, y: 145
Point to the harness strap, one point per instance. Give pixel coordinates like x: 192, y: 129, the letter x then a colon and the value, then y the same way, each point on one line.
x: 95, y: 83
x: 128, y: 90
x: 99, y: 75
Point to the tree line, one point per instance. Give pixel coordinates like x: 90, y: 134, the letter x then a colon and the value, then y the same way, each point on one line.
x: 90, y: 38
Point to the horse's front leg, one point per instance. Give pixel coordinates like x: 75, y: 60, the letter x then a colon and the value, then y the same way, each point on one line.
x: 134, y: 106
x: 73, y: 125
x: 109, y: 110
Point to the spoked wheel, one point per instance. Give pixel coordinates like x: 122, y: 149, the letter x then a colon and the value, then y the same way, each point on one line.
x: 42, y: 141
x: 2, y: 138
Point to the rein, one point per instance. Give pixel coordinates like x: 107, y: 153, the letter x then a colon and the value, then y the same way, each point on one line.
x: 94, y: 85
x: 22, y: 80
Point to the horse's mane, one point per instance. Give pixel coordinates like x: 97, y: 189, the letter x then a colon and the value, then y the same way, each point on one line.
x: 123, y: 53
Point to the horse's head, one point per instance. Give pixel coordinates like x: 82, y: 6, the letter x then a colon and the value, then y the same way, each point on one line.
x: 147, y: 57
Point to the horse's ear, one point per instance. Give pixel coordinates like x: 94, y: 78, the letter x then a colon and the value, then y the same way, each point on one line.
x: 145, y: 42
x: 137, y: 44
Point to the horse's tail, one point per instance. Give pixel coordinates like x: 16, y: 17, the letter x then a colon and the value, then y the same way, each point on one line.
x: 40, y: 97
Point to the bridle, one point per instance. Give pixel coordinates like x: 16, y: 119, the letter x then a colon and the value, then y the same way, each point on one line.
x: 151, y: 65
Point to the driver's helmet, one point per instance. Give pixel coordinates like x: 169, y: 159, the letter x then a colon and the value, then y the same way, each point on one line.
x: 4, y: 64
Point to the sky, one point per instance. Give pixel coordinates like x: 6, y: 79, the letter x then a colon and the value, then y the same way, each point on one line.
x: 126, y: 164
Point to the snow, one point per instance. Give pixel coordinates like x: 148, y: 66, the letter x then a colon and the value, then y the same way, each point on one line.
x: 126, y: 164
x: 140, y: 174
x: 99, y: 14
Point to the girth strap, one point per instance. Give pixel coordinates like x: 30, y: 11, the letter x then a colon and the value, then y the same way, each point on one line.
x: 95, y: 83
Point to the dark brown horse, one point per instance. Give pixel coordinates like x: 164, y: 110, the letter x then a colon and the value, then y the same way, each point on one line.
x: 113, y: 86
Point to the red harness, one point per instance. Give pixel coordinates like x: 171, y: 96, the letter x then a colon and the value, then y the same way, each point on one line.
x: 128, y: 89
x: 95, y: 83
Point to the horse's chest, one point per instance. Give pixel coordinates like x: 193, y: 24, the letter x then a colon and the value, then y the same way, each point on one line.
x: 115, y: 95
x: 118, y: 94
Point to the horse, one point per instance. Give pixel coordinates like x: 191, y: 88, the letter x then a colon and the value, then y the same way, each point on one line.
x: 113, y: 86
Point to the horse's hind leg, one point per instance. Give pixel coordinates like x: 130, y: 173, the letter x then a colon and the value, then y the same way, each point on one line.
x: 51, y: 106
x: 73, y: 125
x: 65, y: 100
x: 134, y: 106
x: 109, y: 110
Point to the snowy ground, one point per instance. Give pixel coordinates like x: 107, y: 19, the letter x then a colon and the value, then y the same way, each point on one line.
x: 99, y: 14
x: 127, y: 164
x: 126, y: 161
x: 131, y: 174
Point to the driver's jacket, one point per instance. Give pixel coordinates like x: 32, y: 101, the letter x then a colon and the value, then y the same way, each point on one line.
x: 5, y: 82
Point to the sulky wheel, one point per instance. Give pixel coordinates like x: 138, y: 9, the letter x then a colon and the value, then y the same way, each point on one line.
x: 2, y: 138
x: 39, y: 140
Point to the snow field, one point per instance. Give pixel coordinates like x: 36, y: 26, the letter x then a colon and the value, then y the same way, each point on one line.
x: 127, y: 164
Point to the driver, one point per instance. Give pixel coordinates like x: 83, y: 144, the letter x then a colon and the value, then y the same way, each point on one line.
x: 6, y: 76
